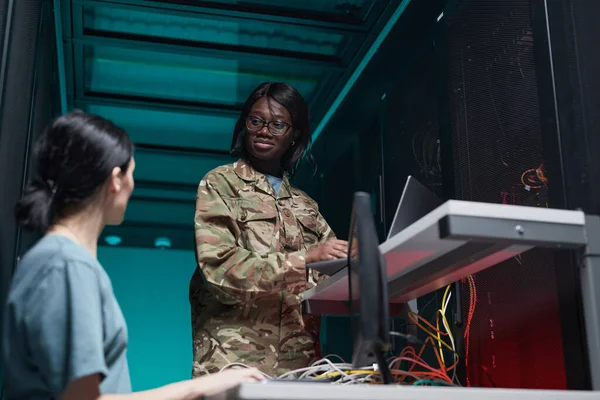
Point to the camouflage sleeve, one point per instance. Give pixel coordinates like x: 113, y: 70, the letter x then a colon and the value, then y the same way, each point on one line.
x: 324, y: 229
x: 326, y: 233
x: 237, y: 273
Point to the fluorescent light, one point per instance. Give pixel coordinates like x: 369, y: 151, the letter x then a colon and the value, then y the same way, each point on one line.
x: 162, y: 243
x: 113, y: 240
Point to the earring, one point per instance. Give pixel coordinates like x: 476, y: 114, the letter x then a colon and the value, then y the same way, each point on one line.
x: 293, y: 144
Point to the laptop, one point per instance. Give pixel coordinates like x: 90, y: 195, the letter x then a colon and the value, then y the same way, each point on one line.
x: 416, y: 202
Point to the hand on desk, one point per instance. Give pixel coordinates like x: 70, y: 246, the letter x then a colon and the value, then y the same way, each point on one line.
x: 329, y: 250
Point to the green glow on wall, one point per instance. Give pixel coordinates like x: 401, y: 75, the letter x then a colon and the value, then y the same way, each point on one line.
x: 363, y: 64
x: 151, y: 287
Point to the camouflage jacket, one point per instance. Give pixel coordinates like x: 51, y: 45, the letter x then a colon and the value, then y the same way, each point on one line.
x: 250, y: 247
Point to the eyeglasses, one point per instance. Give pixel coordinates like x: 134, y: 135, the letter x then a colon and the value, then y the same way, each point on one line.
x: 277, y: 128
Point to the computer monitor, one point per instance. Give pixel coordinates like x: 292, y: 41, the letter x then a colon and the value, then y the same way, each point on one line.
x: 416, y: 202
x: 367, y: 289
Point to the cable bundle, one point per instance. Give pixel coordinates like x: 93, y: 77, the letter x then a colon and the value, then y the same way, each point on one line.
x: 416, y: 372
x: 417, y: 366
x: 335, y: 373
x: 343, y: 373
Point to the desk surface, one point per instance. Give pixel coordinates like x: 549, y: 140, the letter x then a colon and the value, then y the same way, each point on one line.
x: 320, y: 391
x: 457, y: 239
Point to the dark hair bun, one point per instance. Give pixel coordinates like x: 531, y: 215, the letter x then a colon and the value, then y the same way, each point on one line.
x: 33, y: 210
x: 74, y: 156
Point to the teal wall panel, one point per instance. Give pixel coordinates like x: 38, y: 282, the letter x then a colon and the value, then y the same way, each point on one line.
x: 208, y: 29
x: 171, y: 128
x: 176, y: 167
x: 167, y: 75
x: 160, y: 212
x: 152, y: 289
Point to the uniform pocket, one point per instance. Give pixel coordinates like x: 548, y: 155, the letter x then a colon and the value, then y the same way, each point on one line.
x: 307, y: 218
x: 257, y: 220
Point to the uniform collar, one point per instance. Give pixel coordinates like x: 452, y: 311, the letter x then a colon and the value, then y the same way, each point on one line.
x: 246, y: 172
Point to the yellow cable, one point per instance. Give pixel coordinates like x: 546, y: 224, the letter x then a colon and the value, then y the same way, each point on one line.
x: 447, y: 325
x: 350, y: 372
x: 445, y: 321
x: 416, y: 317
x: 437, y: 323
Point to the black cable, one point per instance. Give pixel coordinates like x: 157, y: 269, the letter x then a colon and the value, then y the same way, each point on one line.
x: 459, y: 330
x: 384, y: 369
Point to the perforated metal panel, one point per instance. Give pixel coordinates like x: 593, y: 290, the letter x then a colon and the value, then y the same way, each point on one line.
x: 18, y: 59
x: 14, y: 120
x: 45, y: 101
x: 576, y: 22
x: 514, y: 334
x: 46, y: 88
x: 3, y: 15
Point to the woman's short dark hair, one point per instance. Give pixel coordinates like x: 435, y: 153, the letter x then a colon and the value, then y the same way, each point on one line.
x: 294, y: 103
x: 75, y: 156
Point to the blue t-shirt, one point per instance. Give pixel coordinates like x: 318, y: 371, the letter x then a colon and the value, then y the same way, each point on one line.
x: 275, y: 182
x: 62, y: 322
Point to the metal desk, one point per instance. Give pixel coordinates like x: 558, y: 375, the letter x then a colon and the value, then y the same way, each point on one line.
x: 320, y: 391
x: 457, y: 239
x: 460, y: 238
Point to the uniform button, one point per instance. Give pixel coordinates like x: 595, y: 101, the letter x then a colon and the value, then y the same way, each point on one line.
x: 287, y: 213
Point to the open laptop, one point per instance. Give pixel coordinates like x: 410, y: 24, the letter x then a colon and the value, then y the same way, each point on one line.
x: 416, y: 202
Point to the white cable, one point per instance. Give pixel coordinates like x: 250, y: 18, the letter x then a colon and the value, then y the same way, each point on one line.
x: 336, y: 356
x: 325, y: 366
x: 445, y: 322
x: 447, y: 328
x: 446, y: 304
x: 238, y: 364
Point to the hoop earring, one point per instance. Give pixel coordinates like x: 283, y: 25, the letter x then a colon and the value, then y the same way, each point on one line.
x: 293, y: 143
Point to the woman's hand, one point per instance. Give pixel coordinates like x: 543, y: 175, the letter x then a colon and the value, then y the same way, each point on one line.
x: 88, y: 387
x: 329, y: 250
x: 213, y: 384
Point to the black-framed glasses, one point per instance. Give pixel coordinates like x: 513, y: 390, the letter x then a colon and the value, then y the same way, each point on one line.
x: 277, y: 128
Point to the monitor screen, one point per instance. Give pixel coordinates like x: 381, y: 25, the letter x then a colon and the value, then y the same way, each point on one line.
x: 367, y: 287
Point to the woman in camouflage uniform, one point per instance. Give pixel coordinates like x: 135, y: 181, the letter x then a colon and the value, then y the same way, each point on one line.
x: 255, y: 233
